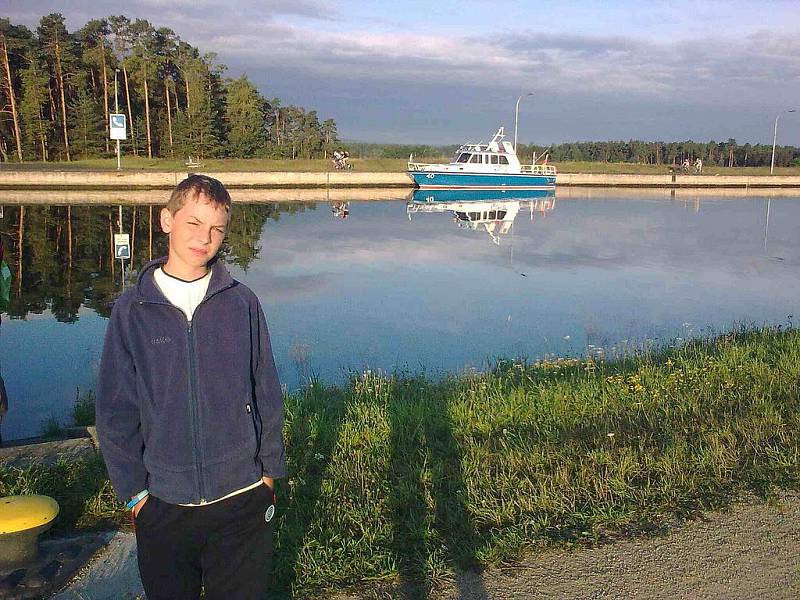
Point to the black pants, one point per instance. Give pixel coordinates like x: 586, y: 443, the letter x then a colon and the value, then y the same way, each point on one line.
x: 225, y: 547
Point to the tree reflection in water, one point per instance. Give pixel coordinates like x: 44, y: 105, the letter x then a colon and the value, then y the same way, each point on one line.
x: 62, y: 257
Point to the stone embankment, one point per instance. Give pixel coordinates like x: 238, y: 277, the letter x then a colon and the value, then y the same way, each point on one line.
x: 132, y: 180
x: 678, y: 181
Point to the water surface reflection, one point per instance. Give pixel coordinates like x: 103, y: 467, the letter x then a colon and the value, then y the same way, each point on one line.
x: 492, y: 211
x: 519, y: 276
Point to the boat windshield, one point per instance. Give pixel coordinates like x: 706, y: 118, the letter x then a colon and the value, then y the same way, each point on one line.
x: 463, y: 157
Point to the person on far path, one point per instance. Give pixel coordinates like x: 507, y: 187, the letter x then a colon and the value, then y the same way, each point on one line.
x: 698, y: 166
x: 190, y: 412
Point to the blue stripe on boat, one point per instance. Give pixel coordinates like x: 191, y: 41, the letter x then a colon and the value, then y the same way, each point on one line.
x: 440, y: 179
x: 426, y: 196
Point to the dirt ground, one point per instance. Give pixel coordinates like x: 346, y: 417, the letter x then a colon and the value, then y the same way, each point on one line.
x: 750, y: 551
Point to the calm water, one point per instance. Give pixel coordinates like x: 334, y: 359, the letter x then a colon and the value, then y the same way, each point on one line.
x: 431, y: 287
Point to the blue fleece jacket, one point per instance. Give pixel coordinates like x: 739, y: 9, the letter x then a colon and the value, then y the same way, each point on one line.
x: 190, y: 411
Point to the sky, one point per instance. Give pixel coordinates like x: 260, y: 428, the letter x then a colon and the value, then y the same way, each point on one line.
x: 446, y: 72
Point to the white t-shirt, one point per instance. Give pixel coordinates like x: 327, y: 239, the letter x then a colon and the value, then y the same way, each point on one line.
x: 187, y: 295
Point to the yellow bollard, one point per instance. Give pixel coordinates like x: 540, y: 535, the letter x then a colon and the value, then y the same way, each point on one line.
x: 22, y: 520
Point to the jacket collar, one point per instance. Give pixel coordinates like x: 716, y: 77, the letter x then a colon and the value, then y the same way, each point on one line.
x: 147, y: 290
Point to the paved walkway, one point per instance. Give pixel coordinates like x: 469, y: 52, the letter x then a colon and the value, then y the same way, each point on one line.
x: 46, y: 452
x: 112, y: 575
x: 749, y: 551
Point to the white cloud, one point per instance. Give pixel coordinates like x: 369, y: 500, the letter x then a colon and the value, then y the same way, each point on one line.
x: 582, y: 64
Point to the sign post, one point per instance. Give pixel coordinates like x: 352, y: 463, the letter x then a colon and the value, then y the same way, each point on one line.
x: 117, y: 129
x: 122, y: 250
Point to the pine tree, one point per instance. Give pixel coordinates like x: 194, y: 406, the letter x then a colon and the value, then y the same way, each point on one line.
x: 182, y: 143
x: 59, y: 45
x: 311, y: 135
x: 120, y: 27
x: 97, y: 56
x: 244, y: 114
x: 144, y: 63
x: 330, y: 137
x: 13, y: 42
x: 136, y: 135
x: 88, y: 125
x: 36, y: 126
x: 166, y: 42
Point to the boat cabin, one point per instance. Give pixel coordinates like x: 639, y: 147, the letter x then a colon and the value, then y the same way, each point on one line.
x: 497, y: 155
x: 482, y: 159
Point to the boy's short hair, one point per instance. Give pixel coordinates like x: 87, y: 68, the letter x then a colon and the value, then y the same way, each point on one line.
x: 194, y: 185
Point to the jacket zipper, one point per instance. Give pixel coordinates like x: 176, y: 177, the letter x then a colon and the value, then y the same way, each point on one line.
x: 195, y: 416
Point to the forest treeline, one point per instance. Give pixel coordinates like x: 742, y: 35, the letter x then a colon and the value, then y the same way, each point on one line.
x: 723, y: 154
x: 57, y: 90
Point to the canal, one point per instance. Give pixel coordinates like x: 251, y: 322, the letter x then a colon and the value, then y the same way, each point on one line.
x: 427, y: 283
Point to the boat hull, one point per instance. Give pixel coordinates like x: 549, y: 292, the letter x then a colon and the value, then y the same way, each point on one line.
x: 428, y: 180
x: 426, y: 196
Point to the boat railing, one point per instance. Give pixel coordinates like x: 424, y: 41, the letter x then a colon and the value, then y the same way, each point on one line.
x: 538, y: 169
x: 418, y: 166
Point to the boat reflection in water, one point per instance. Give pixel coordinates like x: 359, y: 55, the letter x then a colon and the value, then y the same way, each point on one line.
x: 493, y: 211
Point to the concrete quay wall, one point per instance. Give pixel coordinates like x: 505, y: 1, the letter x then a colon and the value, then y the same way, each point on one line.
x: 89, y: 179
x: 677, y: 181
x: 166, y: 180
x: 31, y: 179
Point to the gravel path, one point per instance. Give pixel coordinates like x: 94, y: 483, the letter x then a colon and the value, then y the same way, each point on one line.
x: 750, y: 551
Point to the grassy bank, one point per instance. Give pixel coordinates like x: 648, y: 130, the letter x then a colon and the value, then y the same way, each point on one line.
x: 371, y: 165
x: 134, y: 163
x: 403, y: 478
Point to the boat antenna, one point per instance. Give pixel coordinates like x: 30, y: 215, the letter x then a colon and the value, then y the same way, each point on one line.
x: 516, y: 118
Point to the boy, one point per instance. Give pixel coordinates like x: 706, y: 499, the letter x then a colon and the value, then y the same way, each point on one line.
x: 190, y: 412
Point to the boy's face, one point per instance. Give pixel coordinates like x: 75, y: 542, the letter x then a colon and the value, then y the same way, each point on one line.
x: 195, y: 233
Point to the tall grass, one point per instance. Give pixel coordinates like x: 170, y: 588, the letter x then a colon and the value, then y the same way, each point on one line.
x: 81, y: 488
x: 405, y: 479
x: 83, y: 411
x: 83, y: 414
x: 400, y: 480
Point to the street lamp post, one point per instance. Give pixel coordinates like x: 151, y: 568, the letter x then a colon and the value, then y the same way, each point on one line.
x: 775, y: 139
x: 516, y: 117
x: 116, y: 110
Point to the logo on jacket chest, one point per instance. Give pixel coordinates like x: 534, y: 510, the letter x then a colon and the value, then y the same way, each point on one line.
x: 163, y: 339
